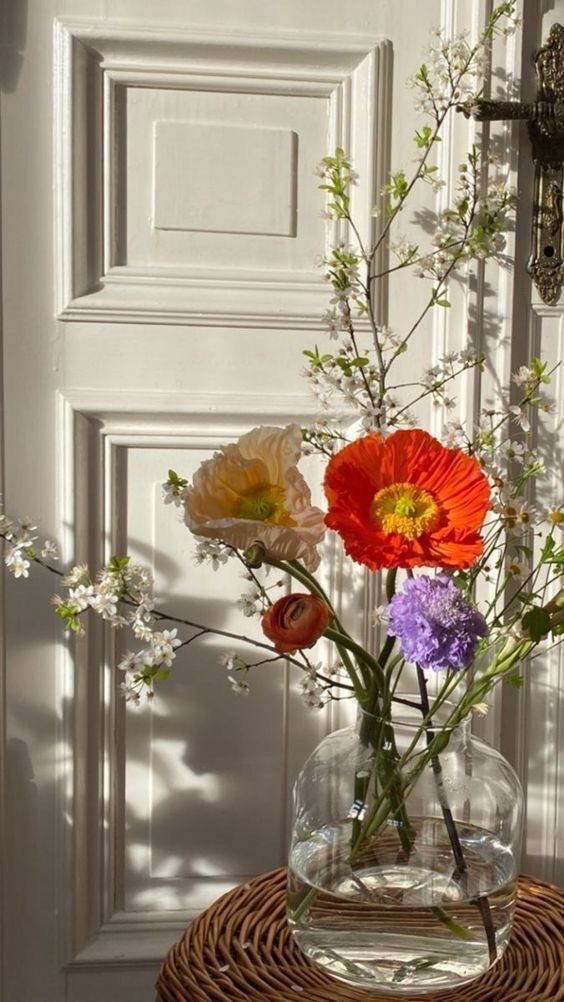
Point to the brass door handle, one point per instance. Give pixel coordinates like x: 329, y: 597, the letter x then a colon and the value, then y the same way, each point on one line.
x: 545, y: 118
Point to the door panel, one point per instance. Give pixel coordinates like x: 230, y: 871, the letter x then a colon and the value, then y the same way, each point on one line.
x: 157, y: 296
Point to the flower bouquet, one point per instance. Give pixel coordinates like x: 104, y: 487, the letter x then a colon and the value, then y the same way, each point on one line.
x: 407, y: 828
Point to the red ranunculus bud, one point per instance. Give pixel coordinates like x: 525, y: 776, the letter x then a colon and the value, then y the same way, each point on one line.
x: 296, y: 621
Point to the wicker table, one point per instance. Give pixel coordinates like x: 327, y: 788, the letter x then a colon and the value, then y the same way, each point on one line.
x: 239, y: 950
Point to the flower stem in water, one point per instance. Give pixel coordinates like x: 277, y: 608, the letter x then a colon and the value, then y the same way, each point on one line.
x: 461, y: 871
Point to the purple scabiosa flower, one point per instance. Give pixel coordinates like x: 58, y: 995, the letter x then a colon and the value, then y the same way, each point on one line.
x: 436, y: 624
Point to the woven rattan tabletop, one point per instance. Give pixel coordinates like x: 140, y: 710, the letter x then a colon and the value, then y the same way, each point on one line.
x: 239, y: 950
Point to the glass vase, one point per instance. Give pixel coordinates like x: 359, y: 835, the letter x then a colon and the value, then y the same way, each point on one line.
x: 404, y: 853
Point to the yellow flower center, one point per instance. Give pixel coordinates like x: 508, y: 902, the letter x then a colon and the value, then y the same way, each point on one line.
x: 405, y: 509
x: 557, y: 517
x: 264, y: 503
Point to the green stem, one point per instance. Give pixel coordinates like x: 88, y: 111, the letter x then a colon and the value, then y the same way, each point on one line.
x: 461, y: 871
x: 351, y: 645
x: 377, y: 733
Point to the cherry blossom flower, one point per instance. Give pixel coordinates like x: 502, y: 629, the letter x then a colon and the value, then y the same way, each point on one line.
x: 17, y: 563
x: 239, y: 686
x: 50, y: 551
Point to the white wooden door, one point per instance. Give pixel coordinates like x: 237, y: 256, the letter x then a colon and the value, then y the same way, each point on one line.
x: 160, y: 223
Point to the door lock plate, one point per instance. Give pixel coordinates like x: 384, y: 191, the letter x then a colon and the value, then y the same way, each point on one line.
x: 545, y: 119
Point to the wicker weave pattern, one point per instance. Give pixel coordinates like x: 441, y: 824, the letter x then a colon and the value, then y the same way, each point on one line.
x: 240, y: 950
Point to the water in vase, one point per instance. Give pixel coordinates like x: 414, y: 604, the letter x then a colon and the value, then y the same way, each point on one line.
x: 401, y: 922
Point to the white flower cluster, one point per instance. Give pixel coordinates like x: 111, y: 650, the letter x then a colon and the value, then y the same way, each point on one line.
x: 315, y: 684
x: 119, y: 581
x: 451, y: 73
x: 525, y: 377
x: 121, y: 594
x: 174, y: 489
x: 454, y: 435
x: 356, y: 386
x: 251, y: 603
x: 321, y: 436
x: 436, y: 378
x: 324, y: 170
x: 338, y: 176
x: 510, y: 463
x: 493, y: 442
x: 516, y: 512
x: 404, y: 250
x: 342, y: 273
x: 173, y: 494
x: 232, y: 661
x: 21, y: 550
x: 213, y: 552
x: 312, y: 692
x: 474, y: 228
x: 339, y: 375
x: 142, y: 668
x: 335, y: 323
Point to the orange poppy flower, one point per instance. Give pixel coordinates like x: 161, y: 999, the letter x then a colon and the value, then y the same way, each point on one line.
x: 407, y: 501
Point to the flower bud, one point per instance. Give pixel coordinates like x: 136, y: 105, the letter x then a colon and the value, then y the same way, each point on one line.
x: 254, y: 554
x: 296, y: 621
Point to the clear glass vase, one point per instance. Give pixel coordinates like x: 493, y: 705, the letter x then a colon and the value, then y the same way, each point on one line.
x: 404, y: 854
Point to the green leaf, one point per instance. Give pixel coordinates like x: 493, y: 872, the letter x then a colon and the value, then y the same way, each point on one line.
x: 66, y: 611
x: 162, y: 674
x: 538, y: 367
x: 118, y: 564
x: 175, y: 481
x: 424, y: 138
x: 548, y: 549
x: 442, y: 302
x: 398, y: 185
x: 422, y: 75
x: 537, y: 624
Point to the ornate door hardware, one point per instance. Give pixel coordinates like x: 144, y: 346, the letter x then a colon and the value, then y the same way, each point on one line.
x: 545, y: 118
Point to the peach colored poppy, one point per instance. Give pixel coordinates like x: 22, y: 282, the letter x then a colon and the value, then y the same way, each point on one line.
x: 252, y: 490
